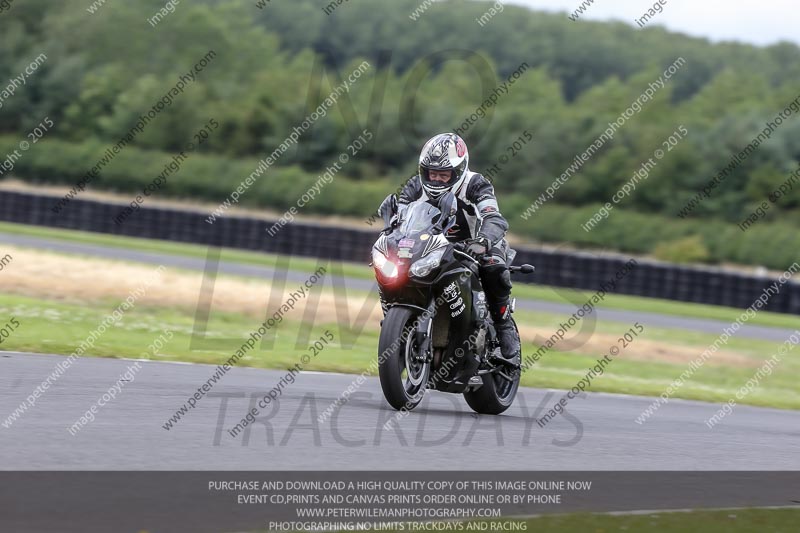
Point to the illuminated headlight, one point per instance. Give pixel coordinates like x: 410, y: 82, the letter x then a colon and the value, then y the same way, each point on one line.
x: 383, y: 265
x: 425, y: 266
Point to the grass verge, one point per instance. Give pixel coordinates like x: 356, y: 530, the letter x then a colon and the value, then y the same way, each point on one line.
x: 723, y: 521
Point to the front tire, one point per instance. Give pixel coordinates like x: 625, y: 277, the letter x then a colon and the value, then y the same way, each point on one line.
x: 404, y: 377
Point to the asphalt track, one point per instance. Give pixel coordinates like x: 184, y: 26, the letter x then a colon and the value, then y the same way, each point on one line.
x: 598, y: 433
x: 628, y: 317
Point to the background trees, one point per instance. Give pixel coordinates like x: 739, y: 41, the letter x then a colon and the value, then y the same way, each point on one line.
x: 275, y: 65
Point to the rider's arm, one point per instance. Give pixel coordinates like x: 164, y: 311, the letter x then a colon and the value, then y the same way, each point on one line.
x: 411, y: 192
x: 493, y: 225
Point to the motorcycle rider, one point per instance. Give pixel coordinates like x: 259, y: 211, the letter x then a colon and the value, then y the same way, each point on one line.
x: 443, y: 167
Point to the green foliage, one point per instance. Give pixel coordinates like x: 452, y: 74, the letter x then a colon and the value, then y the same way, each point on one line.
x: 275, y: 65
x: 771, y: 244
x: 207, y: 177
x: 685, y: 250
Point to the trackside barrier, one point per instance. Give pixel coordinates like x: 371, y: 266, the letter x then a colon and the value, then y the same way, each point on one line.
x: 576, y: 270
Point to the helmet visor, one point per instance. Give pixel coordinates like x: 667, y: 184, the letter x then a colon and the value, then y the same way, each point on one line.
x: 437, y: 178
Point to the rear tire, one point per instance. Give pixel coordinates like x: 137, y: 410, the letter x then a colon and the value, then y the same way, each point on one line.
x: 486, y: 399
x: 402, y: 387
x: 496, y: 394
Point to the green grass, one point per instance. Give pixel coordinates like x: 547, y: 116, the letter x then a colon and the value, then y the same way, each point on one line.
x: 353, y: 353
x: 726, y: 521
x: 355, y: 270
x: 697, y: 521
x: 714, y: 382
x: 140, y: 326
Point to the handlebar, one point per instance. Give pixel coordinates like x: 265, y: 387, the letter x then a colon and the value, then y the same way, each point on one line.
x: 460, y: 246
x: 522, y: 269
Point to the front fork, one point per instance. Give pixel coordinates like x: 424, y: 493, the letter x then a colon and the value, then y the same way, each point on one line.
x: 423, y: 335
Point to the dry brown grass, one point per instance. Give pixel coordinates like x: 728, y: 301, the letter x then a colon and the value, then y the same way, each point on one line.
x: 645, y: 350
x: 49, y: 275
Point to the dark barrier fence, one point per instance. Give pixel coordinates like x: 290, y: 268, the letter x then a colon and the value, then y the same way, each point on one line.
x: 557, y: 268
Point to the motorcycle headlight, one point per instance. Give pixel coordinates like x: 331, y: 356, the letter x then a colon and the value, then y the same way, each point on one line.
x: 425, y: 266
x: 383, y: 265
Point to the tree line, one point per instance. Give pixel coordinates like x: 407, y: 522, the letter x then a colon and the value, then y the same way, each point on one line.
x: 275, y: 65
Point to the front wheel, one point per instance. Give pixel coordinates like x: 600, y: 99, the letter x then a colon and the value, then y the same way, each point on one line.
x: 403, y: 370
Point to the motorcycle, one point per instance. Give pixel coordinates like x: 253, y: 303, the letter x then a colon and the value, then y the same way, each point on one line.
x: 437, y: 332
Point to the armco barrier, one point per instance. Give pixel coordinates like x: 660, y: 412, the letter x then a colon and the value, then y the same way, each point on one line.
x: 561, y: 269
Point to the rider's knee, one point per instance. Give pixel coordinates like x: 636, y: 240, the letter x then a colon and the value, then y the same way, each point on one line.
x: 496, y: 276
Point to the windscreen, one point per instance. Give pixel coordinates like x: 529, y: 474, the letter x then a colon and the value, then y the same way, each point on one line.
x: 419, y: 217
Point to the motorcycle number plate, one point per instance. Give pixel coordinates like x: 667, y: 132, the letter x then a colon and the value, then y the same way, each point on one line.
x: 406, y: 243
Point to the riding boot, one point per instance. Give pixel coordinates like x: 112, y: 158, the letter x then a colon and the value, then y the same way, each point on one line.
x: 506, y: 331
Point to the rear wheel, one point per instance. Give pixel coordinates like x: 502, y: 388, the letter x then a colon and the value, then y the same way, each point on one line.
x: 497, y: 392
x: 402, y: 368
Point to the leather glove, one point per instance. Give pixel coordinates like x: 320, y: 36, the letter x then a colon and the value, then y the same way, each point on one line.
x: 477, y: 248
